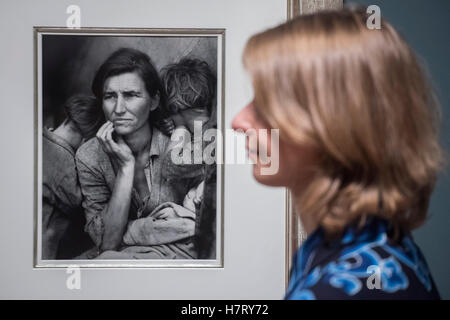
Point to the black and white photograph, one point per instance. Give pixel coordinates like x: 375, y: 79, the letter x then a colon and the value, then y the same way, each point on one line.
x: 110, y: 106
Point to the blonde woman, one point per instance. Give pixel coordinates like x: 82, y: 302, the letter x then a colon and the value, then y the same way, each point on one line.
x: 358, y: 149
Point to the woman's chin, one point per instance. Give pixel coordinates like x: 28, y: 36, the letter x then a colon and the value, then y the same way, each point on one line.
x: 123, y: 130
x: 272, y: 180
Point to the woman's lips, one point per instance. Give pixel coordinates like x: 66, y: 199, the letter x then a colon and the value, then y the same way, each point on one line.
x: 252, y: 154
x: 121, y: 121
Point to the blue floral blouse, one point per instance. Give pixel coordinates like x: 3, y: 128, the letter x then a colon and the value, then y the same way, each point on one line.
x: 362, y: 264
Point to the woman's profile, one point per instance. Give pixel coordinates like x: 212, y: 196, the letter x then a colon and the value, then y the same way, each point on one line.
x: 358, y: 149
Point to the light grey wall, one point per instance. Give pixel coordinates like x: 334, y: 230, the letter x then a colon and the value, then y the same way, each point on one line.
x: 253, y: 216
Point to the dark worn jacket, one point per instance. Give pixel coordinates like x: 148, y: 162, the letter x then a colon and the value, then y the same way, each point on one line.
x: 61, y: 197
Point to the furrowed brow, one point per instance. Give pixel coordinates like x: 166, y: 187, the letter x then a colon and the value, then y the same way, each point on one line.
x: 131, y: 91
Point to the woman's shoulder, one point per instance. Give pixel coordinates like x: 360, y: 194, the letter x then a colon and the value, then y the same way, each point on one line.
x: 91, y: 152
x: 364, y: 265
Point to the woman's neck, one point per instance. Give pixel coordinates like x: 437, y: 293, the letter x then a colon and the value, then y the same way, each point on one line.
x: 309, y: 222
x: 139, y: 141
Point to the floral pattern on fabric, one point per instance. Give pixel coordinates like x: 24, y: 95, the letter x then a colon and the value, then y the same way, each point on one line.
x: 350, y: 267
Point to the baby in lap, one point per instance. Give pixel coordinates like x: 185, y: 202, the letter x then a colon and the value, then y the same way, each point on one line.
x: 167, y: 223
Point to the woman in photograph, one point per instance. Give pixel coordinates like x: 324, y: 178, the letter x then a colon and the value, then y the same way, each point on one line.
x: 358, y: 149
x: 121, y: 169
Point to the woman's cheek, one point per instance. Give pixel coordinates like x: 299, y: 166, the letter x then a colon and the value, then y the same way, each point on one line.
x: 282, y: 169
x: 140, y: 109
x: 107, y: 110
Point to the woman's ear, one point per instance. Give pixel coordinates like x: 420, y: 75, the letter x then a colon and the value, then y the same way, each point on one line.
x: 154, y: 102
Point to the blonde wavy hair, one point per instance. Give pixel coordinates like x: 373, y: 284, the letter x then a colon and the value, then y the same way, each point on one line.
x: 361, y: 99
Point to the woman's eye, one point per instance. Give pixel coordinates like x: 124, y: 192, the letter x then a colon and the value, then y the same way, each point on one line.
x: 130, y: 95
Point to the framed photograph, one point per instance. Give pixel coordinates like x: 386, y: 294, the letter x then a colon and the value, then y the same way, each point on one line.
x: 111, y: 99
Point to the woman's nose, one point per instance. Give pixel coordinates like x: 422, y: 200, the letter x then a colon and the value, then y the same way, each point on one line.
x: 119, y: 108
x: 244, y: 119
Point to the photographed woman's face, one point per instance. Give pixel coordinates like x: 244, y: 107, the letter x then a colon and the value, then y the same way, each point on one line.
x: 126, y: 102
x: 294, y: 162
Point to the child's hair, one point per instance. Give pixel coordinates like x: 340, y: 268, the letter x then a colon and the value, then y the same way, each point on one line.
x: 189, y: 83
x: 83, y: 111
x: 360, y: 98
